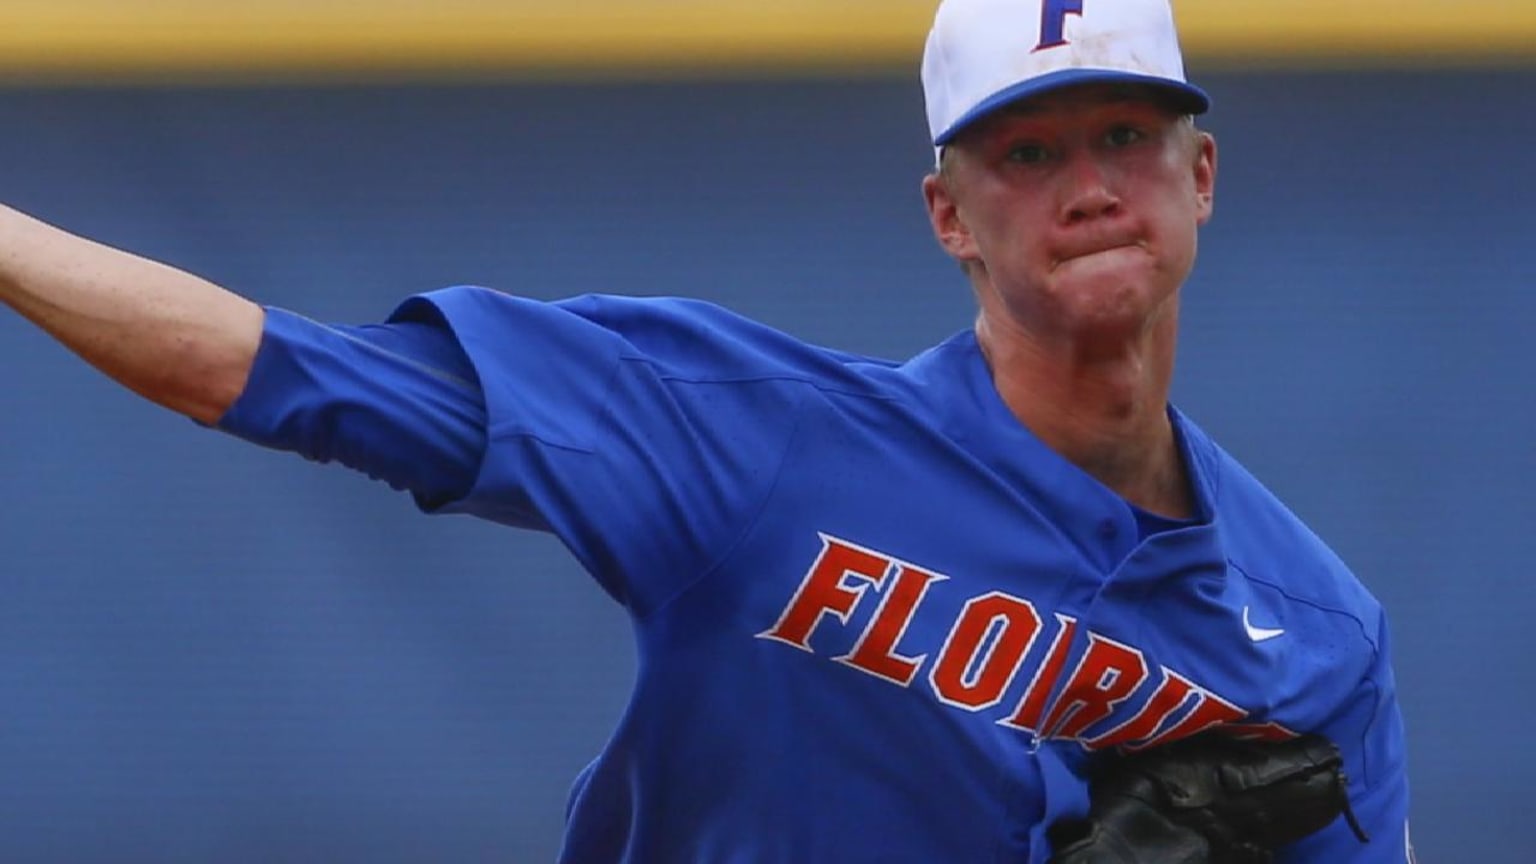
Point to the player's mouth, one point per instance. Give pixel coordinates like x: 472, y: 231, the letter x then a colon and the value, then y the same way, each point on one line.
x: 1096, y: 251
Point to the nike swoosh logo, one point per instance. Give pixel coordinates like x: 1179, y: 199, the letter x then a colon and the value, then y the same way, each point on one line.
x: 1258, y: 634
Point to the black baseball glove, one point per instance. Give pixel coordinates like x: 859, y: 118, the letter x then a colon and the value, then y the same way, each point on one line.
x: 1211, y: 799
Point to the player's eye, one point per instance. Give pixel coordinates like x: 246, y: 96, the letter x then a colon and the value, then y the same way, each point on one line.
x: 1028, y: 154
x: 1124, y: 136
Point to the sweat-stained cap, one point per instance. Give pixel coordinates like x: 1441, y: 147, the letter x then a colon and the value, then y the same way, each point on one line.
x: 984, y: 54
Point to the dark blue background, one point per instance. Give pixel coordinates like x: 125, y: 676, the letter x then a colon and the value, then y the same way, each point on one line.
x: 210, y: 652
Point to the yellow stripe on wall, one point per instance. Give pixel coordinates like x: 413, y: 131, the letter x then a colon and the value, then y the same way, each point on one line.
x: 182, y: 38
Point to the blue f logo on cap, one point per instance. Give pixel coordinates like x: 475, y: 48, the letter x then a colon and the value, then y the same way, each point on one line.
x: 985, y: 54
x: 1053, y: 22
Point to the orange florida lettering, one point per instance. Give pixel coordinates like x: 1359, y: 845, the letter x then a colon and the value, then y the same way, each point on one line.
x: 1112, y: 697
x: 973, y: 670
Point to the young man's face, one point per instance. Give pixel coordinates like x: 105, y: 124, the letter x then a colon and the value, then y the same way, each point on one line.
x: 1080, y: 208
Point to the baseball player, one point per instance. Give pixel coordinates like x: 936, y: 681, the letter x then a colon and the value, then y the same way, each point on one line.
x: 886, y: 611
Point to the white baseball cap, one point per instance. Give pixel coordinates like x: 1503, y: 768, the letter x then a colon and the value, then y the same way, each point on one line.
x: 984, y: 54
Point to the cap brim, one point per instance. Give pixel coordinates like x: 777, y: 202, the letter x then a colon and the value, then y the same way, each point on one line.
x: 1184, y: 97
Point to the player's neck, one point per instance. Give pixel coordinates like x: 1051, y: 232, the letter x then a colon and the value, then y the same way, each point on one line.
x: 1102, y: 406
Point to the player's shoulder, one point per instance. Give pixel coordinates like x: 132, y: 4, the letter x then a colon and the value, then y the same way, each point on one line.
x: 714, y: 337
x: 683, y: 338
x: 1272, y: 546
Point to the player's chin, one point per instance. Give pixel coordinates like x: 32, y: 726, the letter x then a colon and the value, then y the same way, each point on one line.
x: 1109, y: 281
x: 1111, y: 300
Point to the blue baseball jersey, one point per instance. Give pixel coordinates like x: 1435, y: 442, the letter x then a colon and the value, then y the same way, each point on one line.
x: 877, y: 619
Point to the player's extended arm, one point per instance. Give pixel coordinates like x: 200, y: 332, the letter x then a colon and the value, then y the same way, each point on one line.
x: 168, y: 335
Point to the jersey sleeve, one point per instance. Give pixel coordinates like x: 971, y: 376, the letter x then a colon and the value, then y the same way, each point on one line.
x: 398, y: 402
x: 644, y: 433
x: 1369, y: 733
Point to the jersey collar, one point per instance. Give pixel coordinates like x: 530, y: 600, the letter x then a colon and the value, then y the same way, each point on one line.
x: 1098, y: 521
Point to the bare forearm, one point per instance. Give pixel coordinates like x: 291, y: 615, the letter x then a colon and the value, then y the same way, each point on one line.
x: 170, y: 336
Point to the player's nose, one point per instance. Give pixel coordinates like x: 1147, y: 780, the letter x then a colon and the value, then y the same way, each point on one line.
x: 1086, y: 191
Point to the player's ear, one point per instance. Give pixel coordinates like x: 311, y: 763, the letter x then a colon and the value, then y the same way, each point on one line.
x: 1205, y: 175
x: 944, y: 215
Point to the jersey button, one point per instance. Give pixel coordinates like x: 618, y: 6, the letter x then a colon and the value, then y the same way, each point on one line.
x: 1108, y: 529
